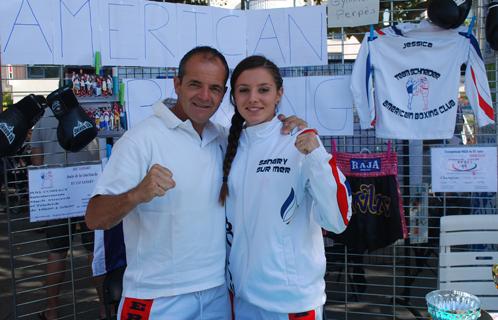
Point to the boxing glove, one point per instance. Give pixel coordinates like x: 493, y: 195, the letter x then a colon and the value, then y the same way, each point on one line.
x: 448, y: 14
x: 492, y: 24
x: 75, y: 129
x: 17, y: 120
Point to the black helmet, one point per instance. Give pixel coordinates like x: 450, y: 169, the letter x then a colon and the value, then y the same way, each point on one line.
x: 448, y: 14
x: 492, y: 24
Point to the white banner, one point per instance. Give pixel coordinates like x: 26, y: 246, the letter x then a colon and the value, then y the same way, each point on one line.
x: 325, y: 102
x: 141, y: 94
x: 146, y: 33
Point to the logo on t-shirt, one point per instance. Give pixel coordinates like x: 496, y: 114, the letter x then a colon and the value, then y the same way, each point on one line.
x: 418, y: 86
x: 417, y: 82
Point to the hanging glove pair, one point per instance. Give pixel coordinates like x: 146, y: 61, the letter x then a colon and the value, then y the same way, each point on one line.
x: 75, y: 129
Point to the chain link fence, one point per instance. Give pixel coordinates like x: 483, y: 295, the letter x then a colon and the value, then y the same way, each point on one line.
x: 388, y: 283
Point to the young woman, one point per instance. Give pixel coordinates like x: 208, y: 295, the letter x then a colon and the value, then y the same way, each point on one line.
x: 279, y: 192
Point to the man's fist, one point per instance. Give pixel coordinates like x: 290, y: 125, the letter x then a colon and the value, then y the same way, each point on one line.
x: 155, y: 184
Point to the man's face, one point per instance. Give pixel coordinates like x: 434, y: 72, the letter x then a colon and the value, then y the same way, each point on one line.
x: 201, y: 90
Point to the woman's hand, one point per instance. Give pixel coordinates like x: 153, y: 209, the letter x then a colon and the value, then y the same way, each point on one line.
x: 291, y: 123
x: 307, y: 141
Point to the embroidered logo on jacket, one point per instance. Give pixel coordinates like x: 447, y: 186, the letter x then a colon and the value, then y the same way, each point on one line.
x: 287, y: 209
x: 273, y: 165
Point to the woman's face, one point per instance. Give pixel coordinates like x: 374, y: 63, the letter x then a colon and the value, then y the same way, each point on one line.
x: 256, y: 95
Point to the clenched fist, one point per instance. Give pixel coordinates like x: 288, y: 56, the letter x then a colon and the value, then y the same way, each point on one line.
x: 155, y: 184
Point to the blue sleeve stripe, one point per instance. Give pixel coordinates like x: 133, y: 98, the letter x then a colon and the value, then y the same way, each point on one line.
x: 473, y: 42
x: 367, y: 77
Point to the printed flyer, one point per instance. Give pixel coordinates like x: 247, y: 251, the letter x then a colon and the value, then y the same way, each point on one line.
x: 464, y: 169
x: 60, y: 192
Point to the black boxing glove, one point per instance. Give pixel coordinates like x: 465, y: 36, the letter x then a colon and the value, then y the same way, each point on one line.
x: 76, y: 129
x: 448, y: 14
x: 17, y: 120
x: 492, y: 24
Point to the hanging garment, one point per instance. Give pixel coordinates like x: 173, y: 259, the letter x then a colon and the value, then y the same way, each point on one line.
x: 378, y: 218
x: 416, y: 74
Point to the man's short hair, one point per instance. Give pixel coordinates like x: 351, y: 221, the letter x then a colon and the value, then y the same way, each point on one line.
x: 207, y: 52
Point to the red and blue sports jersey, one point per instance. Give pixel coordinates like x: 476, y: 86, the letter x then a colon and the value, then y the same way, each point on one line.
x: 415, y: 69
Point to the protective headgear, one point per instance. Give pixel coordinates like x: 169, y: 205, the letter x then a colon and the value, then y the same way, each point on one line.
x: 75, y: 129
x: 492, y: 24
x: 448, y: 14
x: 17, y: 120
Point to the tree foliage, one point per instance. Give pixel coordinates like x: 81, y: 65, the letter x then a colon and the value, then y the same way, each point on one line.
x: 7, y: 99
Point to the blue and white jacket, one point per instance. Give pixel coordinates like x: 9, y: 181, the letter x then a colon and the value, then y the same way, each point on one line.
x: 279, y: 201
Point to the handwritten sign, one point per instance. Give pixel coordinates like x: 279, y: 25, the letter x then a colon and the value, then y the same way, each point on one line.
x: 223, y: 116
x: 228, y: 26
x: 152, y: 34
x: 464, y: 169
x: 26, y: 31
x: 352, y: 13
x: 75, y: 32
x: 63, y: 192
x: 288, y: 36
x: 160, y: 34
x: 141, y: 94
x: 325, y: 102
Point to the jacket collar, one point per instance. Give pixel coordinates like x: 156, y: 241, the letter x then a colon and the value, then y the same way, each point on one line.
x: 262, y: 130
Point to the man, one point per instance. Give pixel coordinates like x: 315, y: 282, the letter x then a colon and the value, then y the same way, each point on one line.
x: 46, y: 150
x: 162, y: 180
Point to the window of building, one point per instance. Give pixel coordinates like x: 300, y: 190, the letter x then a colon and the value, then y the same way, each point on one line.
x: 38, y: 72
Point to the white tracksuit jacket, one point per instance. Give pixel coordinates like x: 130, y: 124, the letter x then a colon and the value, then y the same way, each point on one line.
x: 416, y: 80
x: 279, y: 200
